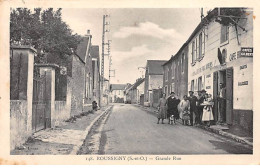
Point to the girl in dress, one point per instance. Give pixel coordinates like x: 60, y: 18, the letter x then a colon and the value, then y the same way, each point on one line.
x: 207, y: 110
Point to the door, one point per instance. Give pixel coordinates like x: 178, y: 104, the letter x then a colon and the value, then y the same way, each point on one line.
x: 229, y: 95
x: 215, y: 94
x: 39, y: 102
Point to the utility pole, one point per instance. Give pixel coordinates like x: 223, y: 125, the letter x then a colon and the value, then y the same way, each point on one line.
x: 105, y: 30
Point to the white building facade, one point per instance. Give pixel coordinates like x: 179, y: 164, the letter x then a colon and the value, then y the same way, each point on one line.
x: 221, y: 54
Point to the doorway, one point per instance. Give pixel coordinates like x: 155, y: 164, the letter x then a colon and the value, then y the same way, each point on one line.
x: 223, y: 109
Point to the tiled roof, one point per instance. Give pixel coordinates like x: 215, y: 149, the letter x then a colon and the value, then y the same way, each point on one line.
x: 155, y: 67
x: 137, y: 83
x: 118, y: 87
x: 82, y: 48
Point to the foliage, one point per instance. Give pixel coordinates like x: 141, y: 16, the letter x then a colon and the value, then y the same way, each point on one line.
x: 44, y: 30
x: 228, y: 16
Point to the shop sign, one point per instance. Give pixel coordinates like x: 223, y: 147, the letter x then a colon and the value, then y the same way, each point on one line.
x: 203, y: 68
x: 246, y: 52
x: 242, y: 83
x: 243, y: 67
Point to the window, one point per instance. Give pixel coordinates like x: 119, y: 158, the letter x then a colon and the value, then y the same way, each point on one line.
x: 166, y: 90
x: 224, y: 34
x: 197, y: 48
x: 200, y: 83
x: 166, y: 73
x: 173, y: 70
x: 182, y: 62
x: 193, y: 54
x: 87, y: 86
x: 173, y: 87
x: 192, y: 85
x: 200, y: 46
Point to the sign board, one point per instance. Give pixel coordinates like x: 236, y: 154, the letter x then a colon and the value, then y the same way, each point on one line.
x: 246, y: 52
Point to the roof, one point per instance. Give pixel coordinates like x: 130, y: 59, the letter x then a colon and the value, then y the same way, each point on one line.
x: 137, y: 83
x: 206, y: 19
x: 82, y: 48
x: 173, y: 56
x: 155, y: 67
x: 94, y: 51
x: 118, y: 87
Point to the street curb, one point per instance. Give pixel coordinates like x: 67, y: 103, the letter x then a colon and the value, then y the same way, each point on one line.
x: 87, y: 130
x: 219, y: 132
x: 227, y: 135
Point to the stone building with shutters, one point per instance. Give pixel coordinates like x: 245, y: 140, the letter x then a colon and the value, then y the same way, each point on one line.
x: 223, y: 54
x: 176, y: 73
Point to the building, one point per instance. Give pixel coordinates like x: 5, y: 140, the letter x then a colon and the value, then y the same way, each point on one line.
x: 176, y: 73
x: 133, y: 94
x: 117, y: 93
x: 94, y: 52
x: 105, y: 96
x: 128, y: 93
x: 140, y: 91
x: 153, y: 79
x: 222, y: 52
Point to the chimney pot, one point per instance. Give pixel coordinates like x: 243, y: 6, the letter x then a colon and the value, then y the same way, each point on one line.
x: 88, y: 32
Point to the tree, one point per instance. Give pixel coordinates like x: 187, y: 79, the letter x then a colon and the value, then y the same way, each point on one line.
x: 44, y: 30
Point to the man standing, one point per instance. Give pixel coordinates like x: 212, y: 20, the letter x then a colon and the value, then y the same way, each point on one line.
x: 193, y: 109
x: 172, y: 103
x: 222, y: 103
x: 201, y: 99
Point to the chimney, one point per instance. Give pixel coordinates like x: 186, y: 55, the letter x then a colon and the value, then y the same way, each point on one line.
x: 88, y: 32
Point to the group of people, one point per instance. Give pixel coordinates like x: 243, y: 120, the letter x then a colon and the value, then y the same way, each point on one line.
x: 172, y: 108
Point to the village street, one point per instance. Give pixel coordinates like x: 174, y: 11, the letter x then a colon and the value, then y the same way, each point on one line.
x: 131, y: 130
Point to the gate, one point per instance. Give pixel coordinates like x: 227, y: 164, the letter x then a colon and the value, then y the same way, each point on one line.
x: 39, y: 106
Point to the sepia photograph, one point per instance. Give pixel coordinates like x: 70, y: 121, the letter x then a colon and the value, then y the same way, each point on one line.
x: 131, y: 84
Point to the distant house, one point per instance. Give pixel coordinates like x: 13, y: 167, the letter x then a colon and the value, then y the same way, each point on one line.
x: 153, y: 79
x: 134, y: 92
x: 176, y: 73
x: 105, y: 96
x: 94, y: 53
x: 117, y: 93
x: 127, y: 97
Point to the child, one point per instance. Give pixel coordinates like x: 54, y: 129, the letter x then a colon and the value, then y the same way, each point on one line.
x: 207, y: 110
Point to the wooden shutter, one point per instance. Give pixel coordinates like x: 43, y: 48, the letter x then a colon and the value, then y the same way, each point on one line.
x: 229, y: 96
x: 215, y: 93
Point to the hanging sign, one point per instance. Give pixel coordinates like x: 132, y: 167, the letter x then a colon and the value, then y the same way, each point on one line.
x: 246, y: 52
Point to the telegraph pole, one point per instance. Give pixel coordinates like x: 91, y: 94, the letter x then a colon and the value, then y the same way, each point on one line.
x: 105, y: 30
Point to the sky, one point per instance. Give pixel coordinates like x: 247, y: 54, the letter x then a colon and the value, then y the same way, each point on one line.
x: 137, y: 34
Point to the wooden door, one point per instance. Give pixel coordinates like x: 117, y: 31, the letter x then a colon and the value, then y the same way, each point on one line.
x: 215, y: 94
x: 229, y: 95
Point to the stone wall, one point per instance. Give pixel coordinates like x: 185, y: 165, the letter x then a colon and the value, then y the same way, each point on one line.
x: 77, y: 86
x: 18, y: 123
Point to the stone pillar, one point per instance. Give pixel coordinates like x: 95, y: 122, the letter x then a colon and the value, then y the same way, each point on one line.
x: 22, y: 67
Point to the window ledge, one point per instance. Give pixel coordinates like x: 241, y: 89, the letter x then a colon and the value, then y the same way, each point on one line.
x: 224, y: 43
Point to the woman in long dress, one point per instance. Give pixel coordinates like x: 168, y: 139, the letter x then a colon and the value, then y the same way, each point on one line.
x: 207, y: 110
x: 184, y: 110
x: 162, y: 108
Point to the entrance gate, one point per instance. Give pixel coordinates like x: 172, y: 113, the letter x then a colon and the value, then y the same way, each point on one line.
x: 39, y: 106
